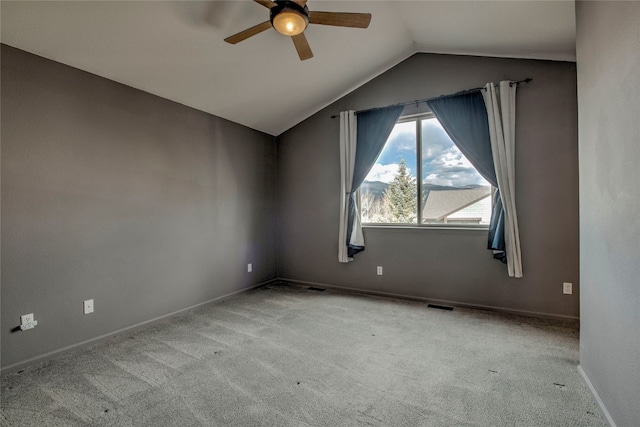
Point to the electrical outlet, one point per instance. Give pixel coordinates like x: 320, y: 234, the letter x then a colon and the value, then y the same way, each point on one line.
x: 249, y: 268
x: 567, y: 288
x: 379, y: 270
x: 88, y: 306
x: 26, y: 318
x: 27, y: 321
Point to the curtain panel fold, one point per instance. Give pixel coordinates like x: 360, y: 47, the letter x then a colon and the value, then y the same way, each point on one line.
x: 502, y: 129
x: 362, y: 138
x: 347, y: 160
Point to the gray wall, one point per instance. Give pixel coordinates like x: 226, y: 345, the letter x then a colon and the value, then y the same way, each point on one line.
x: 110, y: 193
x: 608, y: 49
x: 449, y: 265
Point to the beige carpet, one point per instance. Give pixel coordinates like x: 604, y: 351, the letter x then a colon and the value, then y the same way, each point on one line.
x: 284, y: 355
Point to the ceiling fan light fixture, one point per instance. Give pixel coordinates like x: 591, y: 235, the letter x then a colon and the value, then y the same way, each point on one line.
x: 289, y: 18
x: 290, y: 23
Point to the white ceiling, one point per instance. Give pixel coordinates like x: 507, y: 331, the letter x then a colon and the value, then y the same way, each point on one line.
x: 176, y: 49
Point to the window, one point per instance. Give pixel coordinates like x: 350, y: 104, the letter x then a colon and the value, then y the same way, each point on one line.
x: 450, y: 190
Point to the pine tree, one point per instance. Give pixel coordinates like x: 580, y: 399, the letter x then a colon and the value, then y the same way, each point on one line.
x: 400, y: 199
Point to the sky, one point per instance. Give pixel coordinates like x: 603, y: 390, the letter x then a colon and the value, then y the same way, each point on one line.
x: 442, y: 162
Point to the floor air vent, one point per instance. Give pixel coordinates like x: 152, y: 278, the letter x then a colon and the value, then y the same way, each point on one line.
x: 317, y: 289
x: 440, y: 307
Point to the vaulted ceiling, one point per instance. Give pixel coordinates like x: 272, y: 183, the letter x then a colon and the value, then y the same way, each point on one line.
x: 176, y: 50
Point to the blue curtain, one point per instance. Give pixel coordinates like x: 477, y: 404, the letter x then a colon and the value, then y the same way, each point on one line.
x: 464, y: 118
x: 374, y: 127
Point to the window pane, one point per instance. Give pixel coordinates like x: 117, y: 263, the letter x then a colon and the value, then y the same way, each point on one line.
x: 452, y: 190
x: 389, y: 193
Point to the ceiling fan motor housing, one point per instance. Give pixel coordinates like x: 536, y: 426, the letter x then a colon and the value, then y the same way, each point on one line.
x: 288, y: 6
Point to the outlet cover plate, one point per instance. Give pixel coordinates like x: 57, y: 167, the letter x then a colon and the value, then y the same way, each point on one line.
x: 26, y: 319
x: 567, y: 288
x: 379, y: 270
x: 88, y: 306
x: 249, y: 268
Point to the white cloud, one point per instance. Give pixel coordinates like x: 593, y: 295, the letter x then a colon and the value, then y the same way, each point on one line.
x: 436, y: 179
x: 451, y: 158
x: 404, y: 142
x: 456, y: 178
x: 451, y: 168
x: 402, y: 137
x: 383, y: 173
x: 430, y: 151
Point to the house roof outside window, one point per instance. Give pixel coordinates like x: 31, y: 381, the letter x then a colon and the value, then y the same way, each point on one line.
x: 472, y: 204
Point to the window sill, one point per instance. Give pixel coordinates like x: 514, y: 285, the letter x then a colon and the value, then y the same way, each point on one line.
x: 427, y: 227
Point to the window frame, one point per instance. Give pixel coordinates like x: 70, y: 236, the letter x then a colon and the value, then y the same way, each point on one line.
x: 418, y: 117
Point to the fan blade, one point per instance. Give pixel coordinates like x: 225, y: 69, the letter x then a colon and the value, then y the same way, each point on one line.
x: 340, y: 19
x: 242, y: 35
x: 302, y: 46
x: 300, y: 2
x: 266, y: 3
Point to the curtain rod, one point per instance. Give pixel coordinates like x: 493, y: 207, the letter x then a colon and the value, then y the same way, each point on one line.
x: 417, y: 101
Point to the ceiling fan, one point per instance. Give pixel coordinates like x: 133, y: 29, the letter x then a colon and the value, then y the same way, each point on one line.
x: 291, y: 18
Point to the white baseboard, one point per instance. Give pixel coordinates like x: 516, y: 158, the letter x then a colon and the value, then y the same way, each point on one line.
x: 58, y: 352
x: 596, y: 397
x: 436, y: 301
